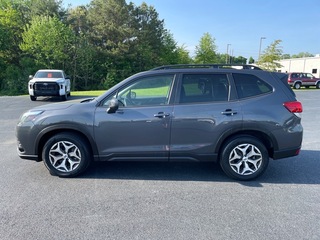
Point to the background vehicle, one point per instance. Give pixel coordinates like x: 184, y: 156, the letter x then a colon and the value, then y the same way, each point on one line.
x: 298, y: 80
x: 49, y: 82
x: 237, y: 117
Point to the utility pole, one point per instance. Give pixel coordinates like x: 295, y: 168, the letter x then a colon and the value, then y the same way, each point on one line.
x: 227, y: 59
x: 260, y: 47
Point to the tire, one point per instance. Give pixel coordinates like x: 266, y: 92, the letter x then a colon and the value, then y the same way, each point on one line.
x: 297, y: 85
x: 64, y: 97
x: 33, y: 98
x: 318, y: 85
x: 66, y: 155
x: 236, y: 162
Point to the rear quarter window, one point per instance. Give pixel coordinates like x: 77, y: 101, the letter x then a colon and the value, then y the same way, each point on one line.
x: 248, y: 85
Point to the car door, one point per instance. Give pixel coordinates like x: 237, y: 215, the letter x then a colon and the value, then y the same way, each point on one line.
x: 140, y: 128
x: 202, y: 115
x: 309, y: 79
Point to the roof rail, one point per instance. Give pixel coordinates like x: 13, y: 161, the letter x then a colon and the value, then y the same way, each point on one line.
x: 219, y: 66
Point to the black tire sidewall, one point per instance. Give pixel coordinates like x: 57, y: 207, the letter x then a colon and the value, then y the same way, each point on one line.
x: 76, y: 140
x: 230, y: 145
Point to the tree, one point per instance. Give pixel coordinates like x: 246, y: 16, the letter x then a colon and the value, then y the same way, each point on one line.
x: 48, y: 41
x: 206, y: 50
x: 302, y: 55
x: 270, y: 56
x: 14, y: 16
x: 50, y: 8
x: 286, y: 56
x: 251, y: 60
x: 110, y: 34
x: 238, y: 60
x: 83, y: 54
x: 152, y: 44
x: 183, y: 55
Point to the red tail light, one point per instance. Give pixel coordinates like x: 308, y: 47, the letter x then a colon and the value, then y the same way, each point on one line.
x: 294, y: 107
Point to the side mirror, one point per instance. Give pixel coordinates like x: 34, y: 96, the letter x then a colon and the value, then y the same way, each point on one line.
x: 113, y: 105
x: 30, y: 77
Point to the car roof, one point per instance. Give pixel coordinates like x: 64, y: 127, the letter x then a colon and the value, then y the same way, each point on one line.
x: 51, y: 70
x: 208, y: 66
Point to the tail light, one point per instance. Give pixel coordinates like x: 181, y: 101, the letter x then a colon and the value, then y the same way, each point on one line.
x: 294, y: 107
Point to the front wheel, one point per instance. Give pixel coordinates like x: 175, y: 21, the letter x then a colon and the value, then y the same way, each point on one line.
x: 64, y: 97
x: 33, y: 98
x: 318, y: 85
x: 244, y: 158
x: 66, y: 155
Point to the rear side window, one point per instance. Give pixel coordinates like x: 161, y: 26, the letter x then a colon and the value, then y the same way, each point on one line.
x: 248, y: 85
x: 198, y: 88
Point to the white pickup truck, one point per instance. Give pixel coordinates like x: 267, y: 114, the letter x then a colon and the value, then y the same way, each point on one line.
x: 49, y: 82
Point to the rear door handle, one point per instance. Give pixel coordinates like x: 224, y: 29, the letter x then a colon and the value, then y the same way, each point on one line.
x: 161, y: 115
x: 229, y: 112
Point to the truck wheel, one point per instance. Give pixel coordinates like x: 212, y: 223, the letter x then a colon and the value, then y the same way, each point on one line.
x: 244, y: 158
x: 33, y: 98
x: 66, y: 155
x: 65, y: 96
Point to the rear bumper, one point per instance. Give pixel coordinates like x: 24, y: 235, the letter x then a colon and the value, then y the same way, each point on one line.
x: 286, y: 153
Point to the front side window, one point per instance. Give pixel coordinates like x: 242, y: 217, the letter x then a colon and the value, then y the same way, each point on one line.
x: 197, y: 88
x: 248, y: 85
x: 148, y: 91
x: 309, y: 75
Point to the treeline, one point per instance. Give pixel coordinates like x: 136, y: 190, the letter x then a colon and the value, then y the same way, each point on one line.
x: 98, y: 44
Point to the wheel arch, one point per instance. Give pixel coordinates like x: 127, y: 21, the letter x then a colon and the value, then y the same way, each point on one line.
x: 264, y: 138
x: 297, y: 81
x: 46, y: 135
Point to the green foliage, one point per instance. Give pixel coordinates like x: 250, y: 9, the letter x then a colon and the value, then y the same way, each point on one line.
x: 98, y: 45
x: 183, y: 55
x: 48, y: 40
x: 302, y: 55
x: 238, y: 60
x: 251, y: 60
x: 206, y: 50
x: 269, y: 57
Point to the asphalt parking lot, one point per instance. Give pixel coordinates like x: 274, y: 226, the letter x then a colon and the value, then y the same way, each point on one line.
x: 159, y: 200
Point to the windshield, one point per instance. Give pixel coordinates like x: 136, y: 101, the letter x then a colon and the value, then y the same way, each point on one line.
x: 48, y: 75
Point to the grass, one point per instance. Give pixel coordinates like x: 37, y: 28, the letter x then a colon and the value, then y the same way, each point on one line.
x: 87, y: 93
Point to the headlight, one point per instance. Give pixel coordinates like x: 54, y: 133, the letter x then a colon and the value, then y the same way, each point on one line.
x: 30, y: 116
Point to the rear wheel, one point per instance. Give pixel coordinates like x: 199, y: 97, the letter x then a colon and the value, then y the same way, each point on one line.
x: 244, y: 158
x: 318, y: 85
x: 297, y: 85
x: 66, y: 155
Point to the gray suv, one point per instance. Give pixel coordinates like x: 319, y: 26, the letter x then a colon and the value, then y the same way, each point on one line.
x: 237, y: 116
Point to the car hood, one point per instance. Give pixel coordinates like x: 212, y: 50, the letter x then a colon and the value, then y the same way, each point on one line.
x: 46, y: 79
x: 61, y: 105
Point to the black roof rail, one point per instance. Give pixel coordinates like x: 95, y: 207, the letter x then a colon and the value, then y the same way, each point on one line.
x: 219, y: 66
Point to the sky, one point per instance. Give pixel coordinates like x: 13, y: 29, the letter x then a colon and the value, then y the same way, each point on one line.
x: 240, y: 25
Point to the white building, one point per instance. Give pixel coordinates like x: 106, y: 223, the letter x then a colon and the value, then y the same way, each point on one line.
x: 307, y: 65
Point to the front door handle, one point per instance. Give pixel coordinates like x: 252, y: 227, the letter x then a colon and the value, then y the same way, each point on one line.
x: 161, y: 115
x: 229, y: 112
